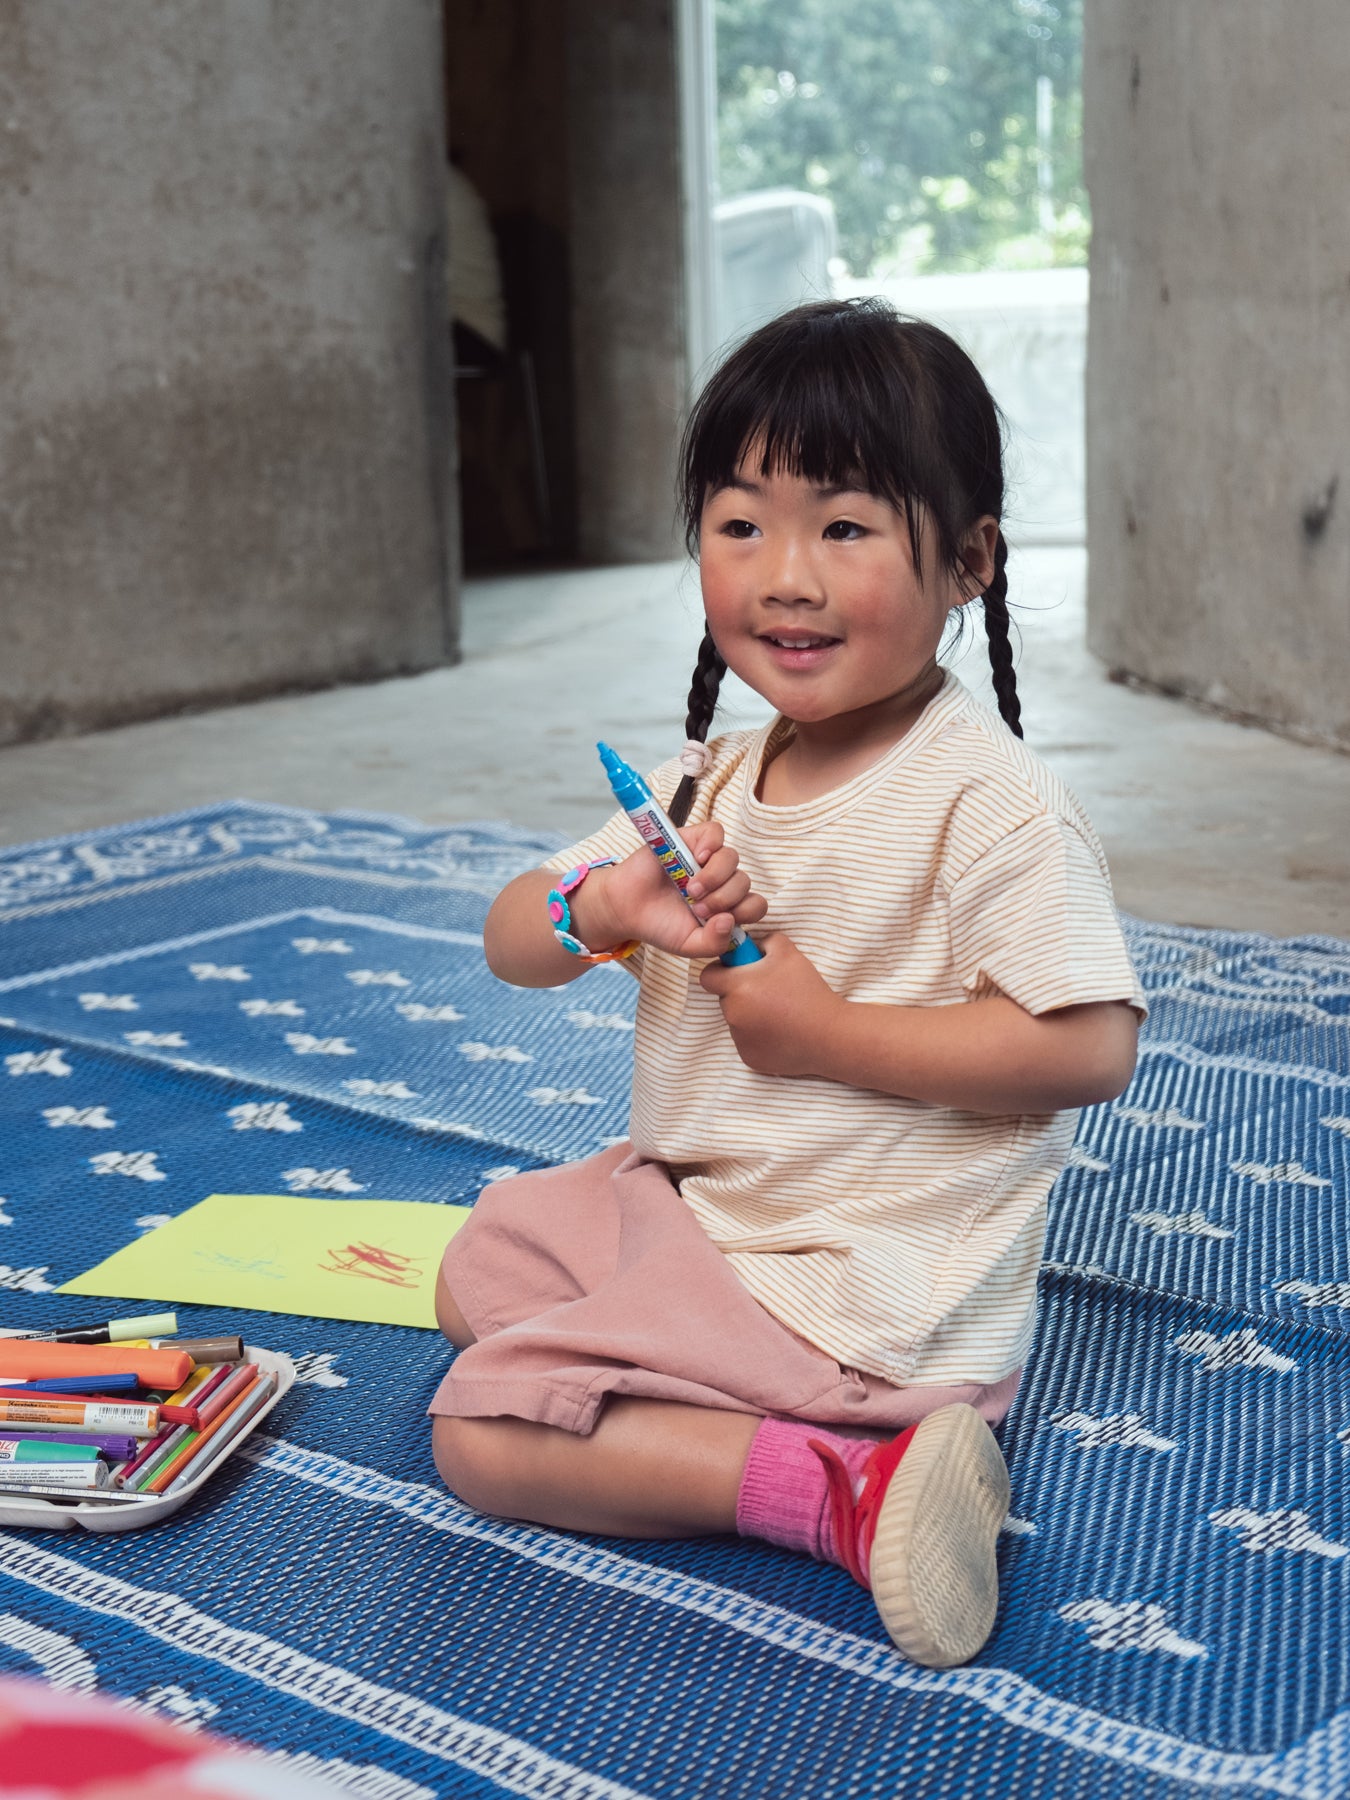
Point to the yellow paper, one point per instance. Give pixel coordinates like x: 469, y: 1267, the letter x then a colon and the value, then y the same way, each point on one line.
x: 373, y: 1260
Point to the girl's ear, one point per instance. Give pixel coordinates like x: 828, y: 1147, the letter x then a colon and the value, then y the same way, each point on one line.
x: 978, y: 556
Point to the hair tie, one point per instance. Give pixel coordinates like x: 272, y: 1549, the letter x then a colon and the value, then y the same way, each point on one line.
x: 695, y: 758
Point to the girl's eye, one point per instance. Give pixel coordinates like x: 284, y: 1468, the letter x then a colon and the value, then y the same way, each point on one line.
x: 844, y: 531
x: 739, y: 528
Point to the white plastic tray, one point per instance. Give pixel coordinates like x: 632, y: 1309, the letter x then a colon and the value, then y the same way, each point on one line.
x: 30, y: 1510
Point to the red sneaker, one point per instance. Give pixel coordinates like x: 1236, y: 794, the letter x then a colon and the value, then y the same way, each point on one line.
x: 922, y: 1532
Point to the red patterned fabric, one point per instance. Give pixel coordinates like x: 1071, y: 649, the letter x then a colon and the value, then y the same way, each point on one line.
x: 62, y: 1746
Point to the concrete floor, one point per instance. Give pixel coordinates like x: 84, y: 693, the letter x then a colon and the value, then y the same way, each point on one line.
x: 1205, y: 822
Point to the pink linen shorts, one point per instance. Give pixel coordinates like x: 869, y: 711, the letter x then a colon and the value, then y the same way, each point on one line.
x: 597, y: 1279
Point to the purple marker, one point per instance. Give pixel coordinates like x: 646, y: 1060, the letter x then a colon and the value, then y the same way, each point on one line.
x: 118, y: 1449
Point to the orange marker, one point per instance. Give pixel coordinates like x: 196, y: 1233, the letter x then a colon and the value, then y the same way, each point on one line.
x: 24, y: 1359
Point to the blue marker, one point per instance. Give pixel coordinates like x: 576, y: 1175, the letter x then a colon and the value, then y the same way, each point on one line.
x: 665, y: 843
x: 74, y: 1384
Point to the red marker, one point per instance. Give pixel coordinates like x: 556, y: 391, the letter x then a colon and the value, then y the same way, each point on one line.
x: 239, y: 1380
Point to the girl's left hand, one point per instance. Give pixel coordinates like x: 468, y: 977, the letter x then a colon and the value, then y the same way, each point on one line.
x: 779, y: 1011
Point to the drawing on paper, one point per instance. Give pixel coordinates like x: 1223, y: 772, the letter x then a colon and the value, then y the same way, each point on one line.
x: 376, y: 1264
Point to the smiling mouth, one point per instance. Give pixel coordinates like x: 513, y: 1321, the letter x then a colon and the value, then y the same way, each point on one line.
x: 798, y: 640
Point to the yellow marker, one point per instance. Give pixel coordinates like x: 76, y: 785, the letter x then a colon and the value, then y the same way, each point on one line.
x: 190, y: 1386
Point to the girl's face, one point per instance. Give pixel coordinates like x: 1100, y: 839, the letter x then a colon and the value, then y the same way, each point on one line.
x: 812, y: 598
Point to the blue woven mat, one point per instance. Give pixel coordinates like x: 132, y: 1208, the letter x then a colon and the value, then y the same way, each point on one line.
x: 250, y: 998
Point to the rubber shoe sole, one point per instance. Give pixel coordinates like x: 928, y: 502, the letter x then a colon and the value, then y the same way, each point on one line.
x: 934, y: 1575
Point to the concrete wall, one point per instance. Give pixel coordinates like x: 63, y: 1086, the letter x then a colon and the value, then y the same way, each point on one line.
x: 226, y: 440
x: 1217, y: 141
x: 627, y: 257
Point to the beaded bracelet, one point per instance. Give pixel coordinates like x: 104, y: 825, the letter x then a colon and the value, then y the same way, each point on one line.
x: 560, y: 915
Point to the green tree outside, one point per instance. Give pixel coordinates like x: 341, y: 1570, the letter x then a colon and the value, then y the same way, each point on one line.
x: 918, y: 120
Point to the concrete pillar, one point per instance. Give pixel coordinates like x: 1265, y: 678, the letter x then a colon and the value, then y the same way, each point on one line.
x: 627, y: 259
x: 226, y: 446
x: 1218, y: 391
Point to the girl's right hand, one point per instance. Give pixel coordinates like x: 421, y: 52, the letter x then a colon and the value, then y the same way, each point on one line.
x: 637, y: 899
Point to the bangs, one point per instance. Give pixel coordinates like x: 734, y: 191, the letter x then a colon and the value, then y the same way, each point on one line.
x: 839, y: 393
x: 812, y: 429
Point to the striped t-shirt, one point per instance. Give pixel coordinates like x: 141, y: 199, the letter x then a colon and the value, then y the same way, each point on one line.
x: 901, y: 1238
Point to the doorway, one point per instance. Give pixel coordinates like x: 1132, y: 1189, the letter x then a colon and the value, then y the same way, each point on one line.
x: 926, y: 150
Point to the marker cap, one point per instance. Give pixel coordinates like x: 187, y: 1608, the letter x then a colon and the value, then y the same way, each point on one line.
x: 150, y: 1325
x: 206, y: 1350
x: 630, y: 789
x: 747, y: 951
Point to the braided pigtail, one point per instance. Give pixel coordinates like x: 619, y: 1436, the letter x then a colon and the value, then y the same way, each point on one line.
x: 1000, y: 650
x: 708, y: 673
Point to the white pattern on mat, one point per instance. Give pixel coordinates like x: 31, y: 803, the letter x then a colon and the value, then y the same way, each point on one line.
x: 1306, y: 1771
x: 327, y: 1687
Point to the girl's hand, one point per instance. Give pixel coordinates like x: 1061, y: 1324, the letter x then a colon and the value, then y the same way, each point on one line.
x: 780, y: 1011
x: 637, y: 899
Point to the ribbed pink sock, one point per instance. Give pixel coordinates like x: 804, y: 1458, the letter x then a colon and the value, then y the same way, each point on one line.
x: 784, y: 1496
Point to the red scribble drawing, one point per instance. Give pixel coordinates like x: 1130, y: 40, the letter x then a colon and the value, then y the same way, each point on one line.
x: 375, y: 1264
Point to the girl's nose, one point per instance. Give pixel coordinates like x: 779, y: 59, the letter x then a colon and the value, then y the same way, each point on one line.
x: 791, y: 577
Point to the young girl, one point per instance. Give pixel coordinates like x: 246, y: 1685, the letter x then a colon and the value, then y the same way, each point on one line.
x: 795, y: 1303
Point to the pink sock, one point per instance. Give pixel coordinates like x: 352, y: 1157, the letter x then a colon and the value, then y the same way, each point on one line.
x: 784, y: 1497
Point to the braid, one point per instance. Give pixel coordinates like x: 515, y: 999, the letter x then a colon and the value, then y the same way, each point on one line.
x: 708, y: 673
x: 1000, y: 650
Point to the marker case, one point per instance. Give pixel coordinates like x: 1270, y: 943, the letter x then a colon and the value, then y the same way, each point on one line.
x: 26, y: 1509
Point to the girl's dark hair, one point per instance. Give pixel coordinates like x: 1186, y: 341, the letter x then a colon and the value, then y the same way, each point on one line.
x: 849, y: 391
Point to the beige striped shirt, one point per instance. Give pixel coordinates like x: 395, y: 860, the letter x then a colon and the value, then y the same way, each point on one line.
x: 901, y: 1238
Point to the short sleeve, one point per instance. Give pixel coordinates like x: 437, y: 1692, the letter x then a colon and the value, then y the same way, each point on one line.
x: 1034, y: 917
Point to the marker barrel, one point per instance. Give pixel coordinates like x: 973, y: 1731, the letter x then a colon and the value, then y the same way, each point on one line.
x: 184, y: 1407
x: 203, y: 1350
x: 29, y: 1450
x: 57, y: 1476
x: 186, y: 1451
x: 227, y: 1392
x: 230, y: 1428
x: 659, y: 833
x: 25, y: 1359
x: 166, y: 1453
x: 118, y: 1446
x: 139, y: 1458
x: 57, y: 1411
x: 120, y: 1383
x: 115, y: 1331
